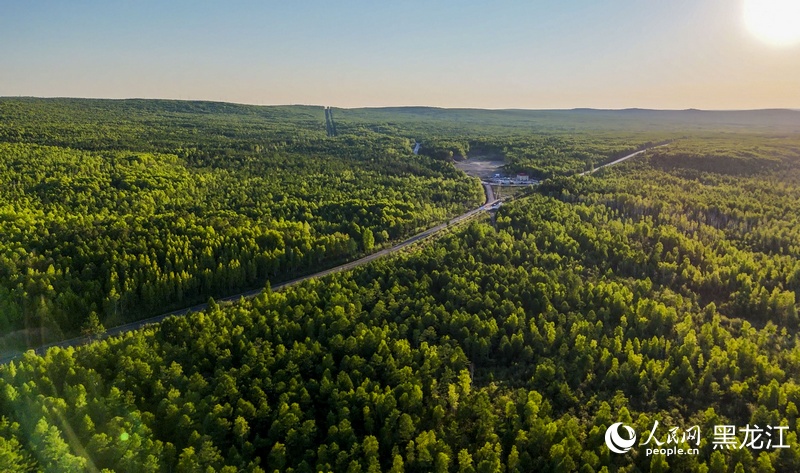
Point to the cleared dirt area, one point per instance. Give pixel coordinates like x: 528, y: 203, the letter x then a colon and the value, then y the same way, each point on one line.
x: 481, y: 168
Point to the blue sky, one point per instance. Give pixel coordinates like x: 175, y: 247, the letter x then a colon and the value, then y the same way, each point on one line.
x: 501, y: 54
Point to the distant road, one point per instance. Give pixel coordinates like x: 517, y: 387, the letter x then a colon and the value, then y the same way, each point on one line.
x: 120, y: 329
x: 624, y: 158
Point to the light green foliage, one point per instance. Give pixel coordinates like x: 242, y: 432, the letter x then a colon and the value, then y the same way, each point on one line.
x: 647, y: 292
x: 131, y: 208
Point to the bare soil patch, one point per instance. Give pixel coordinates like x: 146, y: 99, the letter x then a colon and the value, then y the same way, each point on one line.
x: 482, y: 168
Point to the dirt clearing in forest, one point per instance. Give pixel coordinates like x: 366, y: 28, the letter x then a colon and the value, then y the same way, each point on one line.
x: 481, y: 168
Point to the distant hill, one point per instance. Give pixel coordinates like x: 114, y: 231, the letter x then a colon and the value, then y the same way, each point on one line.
x: 465, y: 120
x: 412, y: 122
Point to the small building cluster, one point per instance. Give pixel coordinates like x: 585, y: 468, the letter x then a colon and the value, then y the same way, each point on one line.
x: 521, y: 179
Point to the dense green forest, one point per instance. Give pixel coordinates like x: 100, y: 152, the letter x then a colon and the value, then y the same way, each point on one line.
x: 554, y: 143
x: 130, y: 208
x: 662, y: 289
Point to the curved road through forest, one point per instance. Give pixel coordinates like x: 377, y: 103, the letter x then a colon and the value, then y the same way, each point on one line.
x: 120, y: 329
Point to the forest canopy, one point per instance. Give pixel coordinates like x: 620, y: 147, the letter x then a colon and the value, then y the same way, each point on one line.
x: 127, y: 209
x: 663, y: 289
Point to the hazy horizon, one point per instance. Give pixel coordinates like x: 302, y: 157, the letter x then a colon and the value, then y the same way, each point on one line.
x: 511, y: 109
x: 544, y: 55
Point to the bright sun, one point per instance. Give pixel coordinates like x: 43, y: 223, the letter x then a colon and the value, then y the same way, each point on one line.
x: 775, y: 22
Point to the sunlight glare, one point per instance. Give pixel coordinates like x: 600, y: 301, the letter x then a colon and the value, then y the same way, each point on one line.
x: 776, y: 22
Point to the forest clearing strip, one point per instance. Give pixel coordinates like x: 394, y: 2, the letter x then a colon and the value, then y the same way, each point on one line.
x: 624, y: 158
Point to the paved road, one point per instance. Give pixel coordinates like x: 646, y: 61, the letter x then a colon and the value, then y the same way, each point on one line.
x: 490, y: 200
x: 250, y: 294
x: 487, y: 188
x: 624, y: 158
